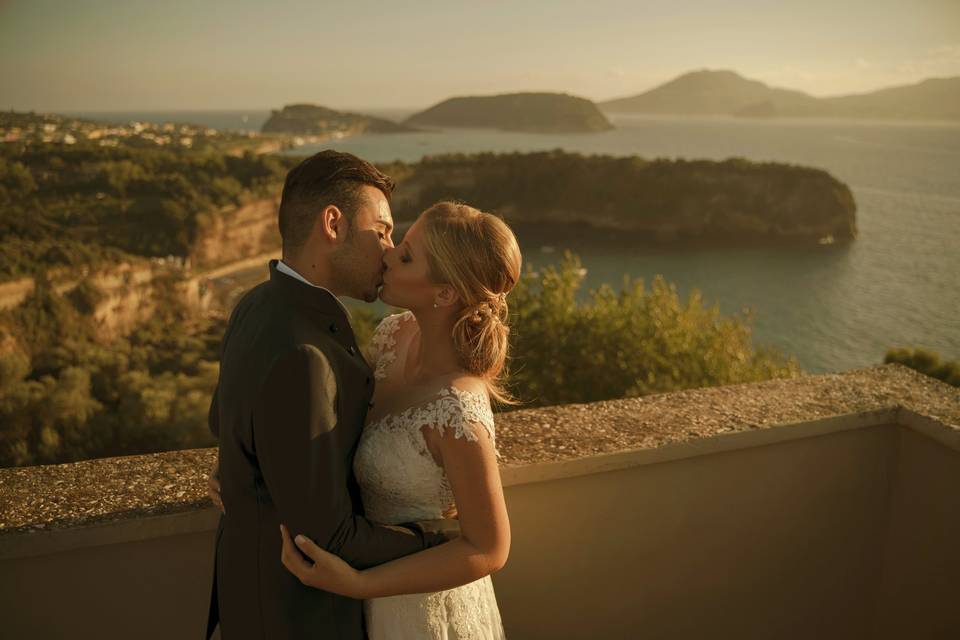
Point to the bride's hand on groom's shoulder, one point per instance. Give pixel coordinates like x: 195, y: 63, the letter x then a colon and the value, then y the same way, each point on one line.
x: 327, y: 571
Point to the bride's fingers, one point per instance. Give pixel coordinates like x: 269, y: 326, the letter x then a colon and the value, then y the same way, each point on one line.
x: 213, y: 490
x: 291, y: 558
x: 307, y: 545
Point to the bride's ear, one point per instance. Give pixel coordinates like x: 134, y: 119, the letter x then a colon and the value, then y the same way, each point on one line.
x: 446, y: 296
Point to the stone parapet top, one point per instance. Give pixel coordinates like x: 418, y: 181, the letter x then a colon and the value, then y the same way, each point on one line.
x: 63, y: 496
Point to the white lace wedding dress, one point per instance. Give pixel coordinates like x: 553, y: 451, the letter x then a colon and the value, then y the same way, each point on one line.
x: 401, y: 482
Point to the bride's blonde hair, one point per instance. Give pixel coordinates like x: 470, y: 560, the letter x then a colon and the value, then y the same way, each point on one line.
x: 477, y: 254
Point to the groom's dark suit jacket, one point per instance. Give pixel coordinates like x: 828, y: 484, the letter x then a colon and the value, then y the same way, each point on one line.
x: 289, y: 405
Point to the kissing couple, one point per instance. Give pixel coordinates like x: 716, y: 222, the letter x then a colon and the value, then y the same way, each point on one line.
x: 360, y: 491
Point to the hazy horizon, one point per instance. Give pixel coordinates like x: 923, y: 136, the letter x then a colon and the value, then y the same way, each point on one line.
x: 102, y: 55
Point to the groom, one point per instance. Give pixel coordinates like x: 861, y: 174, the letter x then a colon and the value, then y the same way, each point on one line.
x: 290, y: 402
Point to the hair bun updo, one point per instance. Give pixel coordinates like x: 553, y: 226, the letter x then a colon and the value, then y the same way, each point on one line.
x: 477, y: 254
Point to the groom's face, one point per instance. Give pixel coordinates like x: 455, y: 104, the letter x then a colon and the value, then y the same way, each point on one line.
x: 358, y: 261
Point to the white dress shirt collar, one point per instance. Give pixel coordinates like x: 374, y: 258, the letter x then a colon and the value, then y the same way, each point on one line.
x: 283, y: 267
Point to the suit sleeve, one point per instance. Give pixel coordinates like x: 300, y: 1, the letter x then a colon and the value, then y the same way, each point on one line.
x: 213, y: 415
x: 297, y: 440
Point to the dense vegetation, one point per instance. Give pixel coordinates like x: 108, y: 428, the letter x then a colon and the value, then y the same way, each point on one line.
x: 635, y: 201
x: 631, y: 342
x: 926, y: 362
x: 65, y: 396
x: 64, y: 206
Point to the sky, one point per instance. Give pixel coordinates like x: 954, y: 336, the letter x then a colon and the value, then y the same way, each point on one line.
x: 86, y: 55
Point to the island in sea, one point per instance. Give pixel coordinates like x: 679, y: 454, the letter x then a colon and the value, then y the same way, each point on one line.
x: 709, y: 92
x: 568, y: 199
x: 314, y: 120
x: 526, y: 112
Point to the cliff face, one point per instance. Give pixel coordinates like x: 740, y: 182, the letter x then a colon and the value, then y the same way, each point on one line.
x: 129, y: 292
x: 532, y: 112
x: 126, y: 295
x: 554, y: 197
x: 236, y: 234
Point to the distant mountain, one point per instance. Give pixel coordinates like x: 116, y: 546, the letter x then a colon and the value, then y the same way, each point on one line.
x: 531, y: 112
x: 309, y: 119
x: 728, y: 93
x: 931, y: 99
x: 705, y: 93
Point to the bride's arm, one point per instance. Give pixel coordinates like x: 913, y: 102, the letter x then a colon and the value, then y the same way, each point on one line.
x: 481, y: 549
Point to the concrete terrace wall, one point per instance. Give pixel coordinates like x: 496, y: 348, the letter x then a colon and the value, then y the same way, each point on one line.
x: 917, y: 594
x: 841, y: 526
x: 780, y: 540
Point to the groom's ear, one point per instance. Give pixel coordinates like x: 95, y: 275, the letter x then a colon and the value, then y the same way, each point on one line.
x: 332, y: 223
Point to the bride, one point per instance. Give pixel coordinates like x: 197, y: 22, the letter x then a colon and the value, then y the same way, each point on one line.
x: 428, y: 448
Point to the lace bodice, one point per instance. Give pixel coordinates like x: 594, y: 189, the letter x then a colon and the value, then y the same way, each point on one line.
x: 401, y: 482
x: 382, y: 350
x: 399, y: 479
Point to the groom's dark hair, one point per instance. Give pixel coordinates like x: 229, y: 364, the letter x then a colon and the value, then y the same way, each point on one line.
x: 324, y: 179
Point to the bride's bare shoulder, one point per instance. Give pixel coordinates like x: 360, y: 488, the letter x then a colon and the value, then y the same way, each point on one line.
x: 464, y: 381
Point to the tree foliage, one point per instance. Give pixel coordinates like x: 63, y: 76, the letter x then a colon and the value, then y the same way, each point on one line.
x: 66, y: 396
x: 628, y: 342
x: 926, y: 362
x: 81, y: 205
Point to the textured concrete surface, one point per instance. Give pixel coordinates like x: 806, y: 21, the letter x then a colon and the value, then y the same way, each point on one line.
x: 62, y: 496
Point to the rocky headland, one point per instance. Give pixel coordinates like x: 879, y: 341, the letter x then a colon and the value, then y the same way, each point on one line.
x: 529, y: 112
x: 555, y: 197
x: 314, y: 120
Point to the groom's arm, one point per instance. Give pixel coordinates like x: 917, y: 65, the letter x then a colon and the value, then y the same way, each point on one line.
x: 297, y: 440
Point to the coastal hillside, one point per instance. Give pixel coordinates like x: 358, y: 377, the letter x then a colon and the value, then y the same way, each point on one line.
x: 728, y: 93
x: 531, y: 112
x: 932, y: 99
x: 555, y: 197
x: 76, y: 194
x: 314, y: 120
x: 706, y: 93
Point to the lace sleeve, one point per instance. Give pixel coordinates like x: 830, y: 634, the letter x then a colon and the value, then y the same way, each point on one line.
x: 467, y: 413
x: 382, y: 348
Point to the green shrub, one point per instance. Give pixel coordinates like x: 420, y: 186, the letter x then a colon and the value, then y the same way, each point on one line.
x: 926, y: 362
x: 630, y: 342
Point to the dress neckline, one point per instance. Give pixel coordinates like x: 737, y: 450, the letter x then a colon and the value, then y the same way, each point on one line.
x: 428, y: 402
